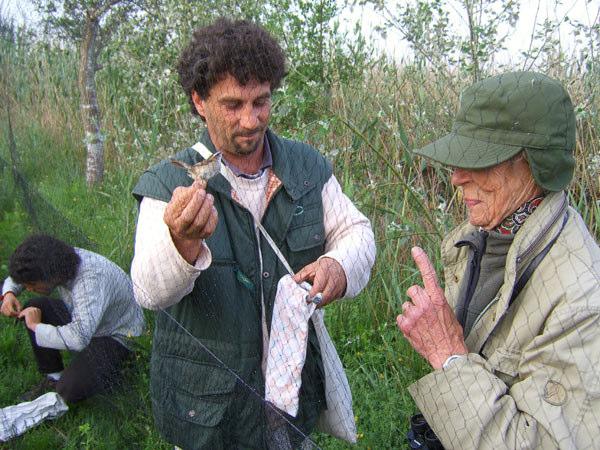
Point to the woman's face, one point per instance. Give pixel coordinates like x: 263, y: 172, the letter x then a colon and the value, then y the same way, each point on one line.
x: 494, y: 193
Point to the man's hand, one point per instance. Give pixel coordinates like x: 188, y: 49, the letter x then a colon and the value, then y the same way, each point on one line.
x: 32, y: 316
x: 191, y: 217
x: 428, y: 322
x: 326, y: 276
x: 10, y: 305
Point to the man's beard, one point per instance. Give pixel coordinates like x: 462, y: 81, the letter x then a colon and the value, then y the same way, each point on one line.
x: 251, y: 148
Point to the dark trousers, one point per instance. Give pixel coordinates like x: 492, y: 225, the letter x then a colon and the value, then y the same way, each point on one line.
x: 97, y: 368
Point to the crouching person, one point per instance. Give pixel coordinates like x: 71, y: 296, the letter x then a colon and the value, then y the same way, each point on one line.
x: 94, y: 317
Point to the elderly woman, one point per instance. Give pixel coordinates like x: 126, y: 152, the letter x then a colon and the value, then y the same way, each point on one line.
x: 514, y: 338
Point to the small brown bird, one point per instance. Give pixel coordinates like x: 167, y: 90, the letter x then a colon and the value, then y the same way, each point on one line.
x: 204, y: 170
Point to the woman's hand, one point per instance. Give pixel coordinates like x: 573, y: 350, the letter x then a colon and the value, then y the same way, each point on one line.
x: 428, y: 322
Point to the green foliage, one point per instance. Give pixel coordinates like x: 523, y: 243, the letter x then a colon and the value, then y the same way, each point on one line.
x: 437, y: 44
x: 139, y: 66
x: 65, y: 19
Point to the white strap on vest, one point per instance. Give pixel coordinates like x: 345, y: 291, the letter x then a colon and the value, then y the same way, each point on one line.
x: 202, y: 149
x: 274, y: 247
x: 338, y: 419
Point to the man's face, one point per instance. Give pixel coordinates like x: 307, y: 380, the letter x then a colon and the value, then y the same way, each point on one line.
x: 236, y: 116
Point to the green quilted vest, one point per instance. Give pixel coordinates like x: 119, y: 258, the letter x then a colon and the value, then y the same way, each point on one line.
x: 215, y: 332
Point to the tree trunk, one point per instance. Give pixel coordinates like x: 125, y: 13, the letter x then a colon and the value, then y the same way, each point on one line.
x: 90, y: 113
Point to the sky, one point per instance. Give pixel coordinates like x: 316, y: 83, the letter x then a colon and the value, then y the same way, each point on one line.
x: 17, y: 9
x: 586, y: 11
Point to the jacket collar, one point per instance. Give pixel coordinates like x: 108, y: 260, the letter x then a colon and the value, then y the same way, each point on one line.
x: 539, y: 228
x: 295, y: 180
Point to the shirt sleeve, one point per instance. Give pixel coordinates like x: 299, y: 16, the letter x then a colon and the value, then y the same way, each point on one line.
x: 161, y: 276
x: 10, y: 286
x: 349, y: 237
x: 90, y: 301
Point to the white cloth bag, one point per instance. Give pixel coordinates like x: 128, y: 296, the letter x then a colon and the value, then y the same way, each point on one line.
x: 287, y: 354
x: 287, y: 345
x: 338, y: 419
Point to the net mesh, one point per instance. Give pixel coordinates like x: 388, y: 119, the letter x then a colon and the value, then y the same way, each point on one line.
x: 212, y: 339
x: 87, y: 319
x: 240, y: 359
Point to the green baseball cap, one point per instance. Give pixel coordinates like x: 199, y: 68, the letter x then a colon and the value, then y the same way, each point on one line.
x: 502, y: 115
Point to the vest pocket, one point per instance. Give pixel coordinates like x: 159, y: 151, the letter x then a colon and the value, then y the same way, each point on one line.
x: 305, y: 215
x: 306, y: 244
x: 306, y: 237
x: 194, y: 392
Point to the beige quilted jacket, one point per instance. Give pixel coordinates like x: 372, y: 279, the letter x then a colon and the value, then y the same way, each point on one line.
x: 532, y: 379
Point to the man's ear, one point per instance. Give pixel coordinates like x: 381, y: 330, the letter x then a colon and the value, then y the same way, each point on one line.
x: 198, y: 104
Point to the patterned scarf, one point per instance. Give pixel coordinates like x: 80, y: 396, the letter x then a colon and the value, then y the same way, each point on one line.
x: 515, y: 221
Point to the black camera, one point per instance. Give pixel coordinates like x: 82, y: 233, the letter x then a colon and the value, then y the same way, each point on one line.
x: 421, y: 436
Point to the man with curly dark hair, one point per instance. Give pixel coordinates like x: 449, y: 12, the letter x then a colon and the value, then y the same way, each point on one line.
x: 242, y: 50
x: 95, y: 316
x: 202, y: 256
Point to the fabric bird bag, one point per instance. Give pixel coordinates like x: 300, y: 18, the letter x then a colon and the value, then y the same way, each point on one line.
x: 287, y: 353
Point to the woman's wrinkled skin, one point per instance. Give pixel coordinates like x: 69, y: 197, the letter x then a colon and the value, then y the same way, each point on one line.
x: 428, y: 322
x: 494, y: 193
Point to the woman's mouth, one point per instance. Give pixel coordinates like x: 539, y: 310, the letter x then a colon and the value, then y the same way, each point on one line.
x: 470, y: 202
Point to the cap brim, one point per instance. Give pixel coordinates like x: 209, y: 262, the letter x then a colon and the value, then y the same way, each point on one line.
x: 467, y: 153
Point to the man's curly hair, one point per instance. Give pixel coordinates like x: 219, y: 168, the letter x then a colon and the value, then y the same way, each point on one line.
x: 43, y: 258
x: 239, y: 48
